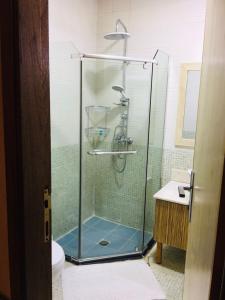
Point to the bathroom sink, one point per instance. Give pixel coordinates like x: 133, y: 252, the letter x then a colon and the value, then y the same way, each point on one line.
x: 170, y: 193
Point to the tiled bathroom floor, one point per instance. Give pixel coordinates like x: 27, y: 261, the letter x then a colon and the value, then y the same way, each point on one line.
x: 170, y: 274
x: 122, y: 239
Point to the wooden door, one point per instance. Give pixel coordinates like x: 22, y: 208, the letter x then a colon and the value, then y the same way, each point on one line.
x: 208, y: 158
x: 26, y: 110
x: 35, y: 140
x: 4, y: 247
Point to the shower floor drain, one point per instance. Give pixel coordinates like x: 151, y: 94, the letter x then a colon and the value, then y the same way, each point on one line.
x: 103, y: 243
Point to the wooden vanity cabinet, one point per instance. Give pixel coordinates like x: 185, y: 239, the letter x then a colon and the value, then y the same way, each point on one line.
x: 171, y: 226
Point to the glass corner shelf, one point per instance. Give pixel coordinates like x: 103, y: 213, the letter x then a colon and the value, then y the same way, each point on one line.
x: 97, y: 130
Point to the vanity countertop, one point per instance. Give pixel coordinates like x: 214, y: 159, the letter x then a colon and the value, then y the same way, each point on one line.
x: 170, y: 193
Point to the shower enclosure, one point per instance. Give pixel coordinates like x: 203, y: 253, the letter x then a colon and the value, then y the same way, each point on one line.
x: 114, y: 168
x: 106, y: 172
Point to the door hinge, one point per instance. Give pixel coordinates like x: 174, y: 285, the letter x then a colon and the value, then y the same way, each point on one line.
x: 47, y: 216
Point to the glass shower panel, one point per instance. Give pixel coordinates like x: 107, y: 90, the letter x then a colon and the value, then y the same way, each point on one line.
x: 156, y: 136
x: 65, y: 104
x: 113, y: 186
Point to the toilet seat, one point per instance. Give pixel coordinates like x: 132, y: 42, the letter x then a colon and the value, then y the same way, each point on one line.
x: 58, y: 259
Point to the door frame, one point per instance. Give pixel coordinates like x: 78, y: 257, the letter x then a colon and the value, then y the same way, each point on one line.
x: 218, y: 276
x: 26, y: 112
x: 13, y: 173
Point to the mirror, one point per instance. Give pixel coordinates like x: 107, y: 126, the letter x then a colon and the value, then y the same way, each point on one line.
x: 188, y: 104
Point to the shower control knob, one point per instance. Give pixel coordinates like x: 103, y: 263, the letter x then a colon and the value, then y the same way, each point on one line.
x: 130, y: 141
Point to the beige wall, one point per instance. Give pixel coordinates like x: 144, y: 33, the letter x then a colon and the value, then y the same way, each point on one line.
x: 74, y: 21
x: 176, y: 27
x: 72, y: 30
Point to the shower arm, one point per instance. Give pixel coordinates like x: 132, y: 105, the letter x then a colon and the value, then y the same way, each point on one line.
x: 119, y: 22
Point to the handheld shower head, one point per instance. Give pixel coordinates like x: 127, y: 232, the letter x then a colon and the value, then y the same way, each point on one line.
x: 120, y: 89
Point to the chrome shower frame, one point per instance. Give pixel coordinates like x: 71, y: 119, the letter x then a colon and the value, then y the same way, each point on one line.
x: 117, y: 144
x: 129, y: 255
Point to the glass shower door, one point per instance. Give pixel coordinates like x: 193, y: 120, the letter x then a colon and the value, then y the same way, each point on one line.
x: 156, y: 137
x: 65, y: 96
x: 114, y: 148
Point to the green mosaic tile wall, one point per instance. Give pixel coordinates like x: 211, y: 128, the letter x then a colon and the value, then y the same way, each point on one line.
x: 175, y: 158
x: 105, y: 193
x: 120, y: 196
x: 65, y: 189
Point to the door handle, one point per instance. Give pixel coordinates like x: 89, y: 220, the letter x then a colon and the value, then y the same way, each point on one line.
x: 191, y: 189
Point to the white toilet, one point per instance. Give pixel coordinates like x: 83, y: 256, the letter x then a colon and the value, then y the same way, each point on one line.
x: 58, y: 259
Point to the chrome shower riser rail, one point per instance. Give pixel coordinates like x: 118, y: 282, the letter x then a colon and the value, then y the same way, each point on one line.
x: 98, y: 152
x: 117, y: 57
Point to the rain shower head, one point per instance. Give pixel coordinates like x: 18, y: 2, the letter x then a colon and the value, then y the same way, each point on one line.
x: 116, y: 36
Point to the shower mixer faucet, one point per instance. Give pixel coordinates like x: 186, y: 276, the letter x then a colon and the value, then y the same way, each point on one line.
x: 124, y: 100
x: 120, y: 134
